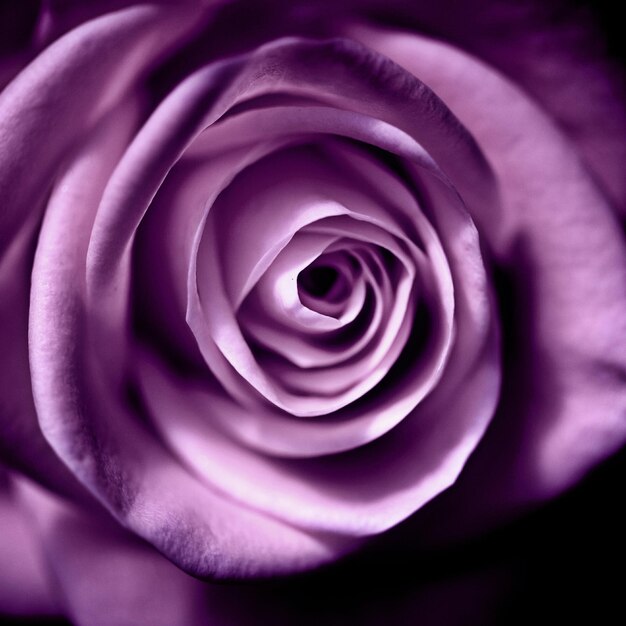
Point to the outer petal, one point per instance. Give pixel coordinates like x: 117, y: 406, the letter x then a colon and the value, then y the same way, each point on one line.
x: 554, y: 50
x: 564, y: 405
x: 31, y: 146
x: 25, y: 585
x: 52, y: 104
x: 22, y: 445
x: 105, y: 575
x: 18, y: 24
x: 113, y: 454
x: 575, y: 81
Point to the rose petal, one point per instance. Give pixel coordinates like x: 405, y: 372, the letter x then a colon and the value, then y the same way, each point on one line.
x: 118, y: 459
x: 193, y: 106
x: 164, y: 248
x: 217, y: 322
x: 67, y: 66
x: 315, y: 349
x: 25, y: 587
x: 564, y: 254
x: 112, y: 455
x: 22, y: 446
x: 32, y: 149
x: 360, y: 493
x: 104, y: 574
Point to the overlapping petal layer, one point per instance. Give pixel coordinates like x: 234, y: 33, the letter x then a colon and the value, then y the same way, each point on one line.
x: 560, y: 247
x: 327, y: 216
x: 39, y: 128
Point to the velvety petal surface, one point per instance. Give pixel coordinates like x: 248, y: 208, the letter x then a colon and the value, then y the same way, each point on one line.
x: 26, y: 587
x: 83, y: 402
x: 103, y: 574
x: 562, y: 250
x: 32, y: 147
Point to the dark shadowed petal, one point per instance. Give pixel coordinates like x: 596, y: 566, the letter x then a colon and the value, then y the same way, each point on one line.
x: 563, y: 257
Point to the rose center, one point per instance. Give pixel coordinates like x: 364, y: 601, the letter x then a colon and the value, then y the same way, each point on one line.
x: 318, y: 281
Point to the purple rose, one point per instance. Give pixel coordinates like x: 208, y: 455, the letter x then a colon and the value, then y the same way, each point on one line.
x: 276, y: 275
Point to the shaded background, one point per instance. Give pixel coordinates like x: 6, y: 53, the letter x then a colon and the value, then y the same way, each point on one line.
x: 563, y: 563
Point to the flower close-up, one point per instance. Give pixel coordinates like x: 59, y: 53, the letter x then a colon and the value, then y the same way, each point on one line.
x: 295, y: 293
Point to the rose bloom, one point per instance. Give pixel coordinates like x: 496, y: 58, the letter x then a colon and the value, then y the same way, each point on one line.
x: 295, y: 293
